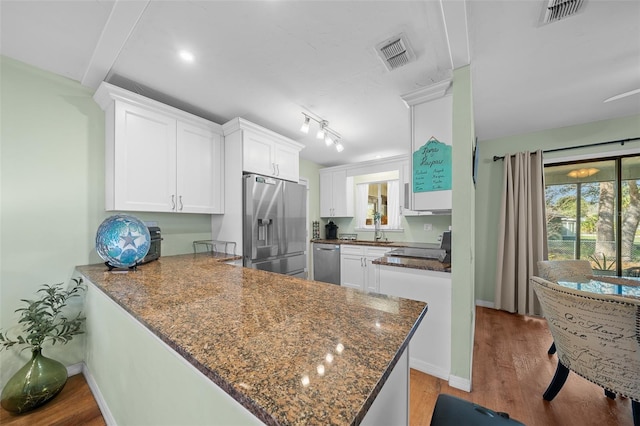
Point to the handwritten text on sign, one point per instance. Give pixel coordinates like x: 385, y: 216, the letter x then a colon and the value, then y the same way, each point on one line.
x: 432, y: 167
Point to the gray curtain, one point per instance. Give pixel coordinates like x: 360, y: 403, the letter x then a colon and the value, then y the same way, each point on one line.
x: 522, y: 236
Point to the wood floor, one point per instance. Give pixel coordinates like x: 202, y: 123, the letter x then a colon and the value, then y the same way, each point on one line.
x: 511, y: 370
x: 75, y: 405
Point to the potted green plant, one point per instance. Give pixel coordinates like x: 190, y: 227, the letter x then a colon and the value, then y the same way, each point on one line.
x: 42, y: 321
x: 601, y: 265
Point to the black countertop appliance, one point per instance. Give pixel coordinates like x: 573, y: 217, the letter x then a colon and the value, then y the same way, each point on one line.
x: 331, y: 230
x: 155, y: 245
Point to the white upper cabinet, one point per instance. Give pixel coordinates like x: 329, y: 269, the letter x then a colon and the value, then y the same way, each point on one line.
x: 287, y: 161
x: 158, y: 158
x: 336, y: 193
x: 431, y: 139
x: 406, y: 194
x: 265, y: 152
x: 258, y: 154
x: 141, y: 165
x: 199, y: 152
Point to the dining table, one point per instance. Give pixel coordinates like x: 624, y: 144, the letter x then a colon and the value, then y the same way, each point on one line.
x: 604, y: 284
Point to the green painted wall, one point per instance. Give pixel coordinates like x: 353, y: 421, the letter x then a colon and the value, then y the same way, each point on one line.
x: 143, y: 381
x: 489, y: 185
x: 463, y: 229
x: 52, y: 193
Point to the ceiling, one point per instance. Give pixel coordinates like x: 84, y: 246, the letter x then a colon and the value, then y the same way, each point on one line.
x: 270, y: 61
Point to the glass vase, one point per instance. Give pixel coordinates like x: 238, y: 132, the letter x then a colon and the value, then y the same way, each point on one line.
x: 34, y: 384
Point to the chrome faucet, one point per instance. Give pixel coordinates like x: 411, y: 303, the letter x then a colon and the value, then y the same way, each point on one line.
x: 378, y: 234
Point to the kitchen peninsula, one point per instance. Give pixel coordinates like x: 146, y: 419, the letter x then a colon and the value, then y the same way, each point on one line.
x: 190, y: 339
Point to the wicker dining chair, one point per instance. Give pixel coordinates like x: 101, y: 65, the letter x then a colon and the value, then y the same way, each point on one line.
x: 572, y: 270
x: 597, y: 336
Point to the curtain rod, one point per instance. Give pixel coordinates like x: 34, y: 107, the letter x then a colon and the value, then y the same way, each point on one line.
x: 620, y: 141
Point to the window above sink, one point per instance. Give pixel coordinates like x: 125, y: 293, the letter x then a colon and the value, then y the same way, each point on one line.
x: 377, y: 201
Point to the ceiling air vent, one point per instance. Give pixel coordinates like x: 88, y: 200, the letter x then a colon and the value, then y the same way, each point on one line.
x: 556, y: 10
x: 395, y: 52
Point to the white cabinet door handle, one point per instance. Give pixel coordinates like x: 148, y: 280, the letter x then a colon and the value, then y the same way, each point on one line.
x: 173, y: 202
x: 277, y: 169
x: 180, y: 200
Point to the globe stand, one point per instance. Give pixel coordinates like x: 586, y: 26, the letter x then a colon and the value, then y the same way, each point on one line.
x: 127, y: 268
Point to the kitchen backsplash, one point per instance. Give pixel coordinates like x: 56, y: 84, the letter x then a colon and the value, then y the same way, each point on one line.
x: 413, y: 228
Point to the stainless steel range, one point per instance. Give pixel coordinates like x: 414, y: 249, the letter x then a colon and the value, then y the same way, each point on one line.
x: 440, y: 252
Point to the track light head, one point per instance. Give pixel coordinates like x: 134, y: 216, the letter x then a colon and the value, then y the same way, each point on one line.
x: 321, y: 131
x: 339, y: 147
x: 305, y: 125
x: 327, y: 139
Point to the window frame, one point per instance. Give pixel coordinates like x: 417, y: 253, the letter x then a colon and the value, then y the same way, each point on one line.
x: 617, y: 158
x: 386, y: 227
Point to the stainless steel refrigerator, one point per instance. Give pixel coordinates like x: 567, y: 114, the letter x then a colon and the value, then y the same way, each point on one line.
x: 274, y: 228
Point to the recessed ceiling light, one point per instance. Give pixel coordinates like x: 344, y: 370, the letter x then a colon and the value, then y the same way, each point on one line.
x: 186, y: 56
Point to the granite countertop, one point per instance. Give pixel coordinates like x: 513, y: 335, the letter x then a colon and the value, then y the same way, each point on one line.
x: 414, y: 263
x: 262, y: 337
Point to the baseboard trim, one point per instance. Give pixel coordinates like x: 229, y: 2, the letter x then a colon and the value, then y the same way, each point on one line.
x: 460, y: 383
x: 485, y: 304
x: 95, y: 390
x: 74, y: 369
x: 429, y: 369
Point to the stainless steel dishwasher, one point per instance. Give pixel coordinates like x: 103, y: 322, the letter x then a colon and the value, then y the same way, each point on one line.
x: 326, y: 263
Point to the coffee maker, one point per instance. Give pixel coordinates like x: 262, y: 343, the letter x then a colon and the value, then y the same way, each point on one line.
x: 331, y: 231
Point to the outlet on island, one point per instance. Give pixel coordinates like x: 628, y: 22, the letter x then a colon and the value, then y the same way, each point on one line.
x: 428, y: 227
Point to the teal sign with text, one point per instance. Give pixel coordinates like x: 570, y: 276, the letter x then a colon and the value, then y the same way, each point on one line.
x: 432, y: 167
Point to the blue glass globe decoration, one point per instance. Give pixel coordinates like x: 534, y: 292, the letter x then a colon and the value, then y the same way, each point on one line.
x: 122, y: 240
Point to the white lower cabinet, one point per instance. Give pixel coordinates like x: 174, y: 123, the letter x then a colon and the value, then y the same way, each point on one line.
x: 430, y: 347
x: 356, y: 267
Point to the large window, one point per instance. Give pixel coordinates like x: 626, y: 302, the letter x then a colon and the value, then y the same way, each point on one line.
x: 593, y: 212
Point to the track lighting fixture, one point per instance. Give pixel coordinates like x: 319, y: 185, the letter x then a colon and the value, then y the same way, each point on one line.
x: 330, y: 136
